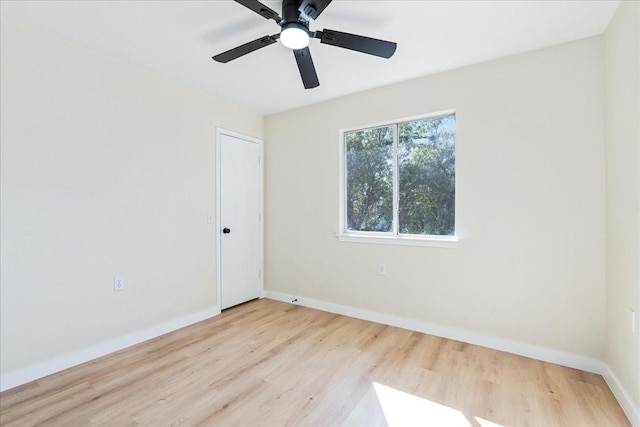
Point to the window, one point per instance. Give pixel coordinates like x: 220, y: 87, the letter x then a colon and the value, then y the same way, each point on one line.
x: 399, y: 181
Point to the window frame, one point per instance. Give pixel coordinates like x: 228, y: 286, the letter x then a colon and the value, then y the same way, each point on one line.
x: 393, y: 237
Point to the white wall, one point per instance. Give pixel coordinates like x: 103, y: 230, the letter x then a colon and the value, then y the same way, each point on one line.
x: 106, y: 170
x: 530, y: 203
x: 623, y: 197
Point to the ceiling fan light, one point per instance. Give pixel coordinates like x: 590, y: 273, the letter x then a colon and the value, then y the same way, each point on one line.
x: 294, y: 36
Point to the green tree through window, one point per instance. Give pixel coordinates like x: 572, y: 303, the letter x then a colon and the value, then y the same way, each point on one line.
x: 422, y: 152
x: 370, y: 179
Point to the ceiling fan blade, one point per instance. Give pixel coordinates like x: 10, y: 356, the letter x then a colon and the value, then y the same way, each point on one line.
x: 313, y: 8
x: 260, y: 9
x: 307, y: 70
x: 242, y: 50
x: 362, y: 44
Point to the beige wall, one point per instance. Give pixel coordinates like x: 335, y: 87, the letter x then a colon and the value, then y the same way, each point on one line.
x: 530, y: 203
x: 623, y: 195
x: 106, y: 170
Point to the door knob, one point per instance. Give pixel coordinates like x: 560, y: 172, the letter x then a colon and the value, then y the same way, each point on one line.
x: 226, y: 230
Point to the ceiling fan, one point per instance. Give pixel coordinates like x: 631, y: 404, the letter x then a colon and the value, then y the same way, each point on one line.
x: 295, y: 34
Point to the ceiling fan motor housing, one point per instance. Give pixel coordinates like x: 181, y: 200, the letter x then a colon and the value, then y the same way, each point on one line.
x: 290, y: 11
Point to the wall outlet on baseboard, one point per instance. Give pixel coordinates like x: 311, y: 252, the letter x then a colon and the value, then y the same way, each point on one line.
x: 382, y: 268
x: 118, y: 284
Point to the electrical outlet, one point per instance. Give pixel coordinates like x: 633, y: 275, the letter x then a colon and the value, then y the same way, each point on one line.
x: 210, y: 218
x: 118, y: 284
x: 382, y: 269
x: 632, y: 318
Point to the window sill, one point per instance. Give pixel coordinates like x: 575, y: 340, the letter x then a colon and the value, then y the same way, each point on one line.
x: 430, y: 241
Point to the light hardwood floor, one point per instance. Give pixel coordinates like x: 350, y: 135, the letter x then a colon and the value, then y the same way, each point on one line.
x: 268, y: 363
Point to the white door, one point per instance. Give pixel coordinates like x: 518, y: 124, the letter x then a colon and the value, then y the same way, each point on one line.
x: 240, y: 231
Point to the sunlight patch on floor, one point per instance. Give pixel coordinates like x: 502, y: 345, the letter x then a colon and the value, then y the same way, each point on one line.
x: 485, y: 423
x: 404, y: 409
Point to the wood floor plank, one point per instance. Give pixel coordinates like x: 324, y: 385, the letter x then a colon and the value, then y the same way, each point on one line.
x: 268, y: 363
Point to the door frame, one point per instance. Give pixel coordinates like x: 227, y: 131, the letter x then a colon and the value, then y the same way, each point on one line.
x: 219, y: 132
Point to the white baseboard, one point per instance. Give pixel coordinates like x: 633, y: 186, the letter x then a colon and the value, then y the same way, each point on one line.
x: 630, y: 408
x: 509, y: 346
x: 22, y: 376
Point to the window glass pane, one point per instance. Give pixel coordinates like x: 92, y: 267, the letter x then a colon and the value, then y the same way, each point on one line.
x: 369, y: 161
x: 426, y: 161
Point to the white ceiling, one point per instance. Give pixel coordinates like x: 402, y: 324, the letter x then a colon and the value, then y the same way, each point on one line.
x: 176, y: 39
